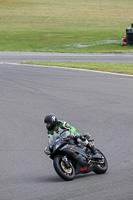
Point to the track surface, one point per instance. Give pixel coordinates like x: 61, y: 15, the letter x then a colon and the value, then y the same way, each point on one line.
x: 99, y: 103
x: 88, y: 57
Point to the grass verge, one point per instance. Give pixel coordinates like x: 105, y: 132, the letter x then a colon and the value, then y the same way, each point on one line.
x: 122, y: 68
x: 60, y: 26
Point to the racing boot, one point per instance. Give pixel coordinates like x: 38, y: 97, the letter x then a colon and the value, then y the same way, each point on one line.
x: 96, y: 155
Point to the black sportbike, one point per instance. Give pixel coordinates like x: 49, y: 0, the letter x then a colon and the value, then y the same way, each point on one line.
x: 70, y: 158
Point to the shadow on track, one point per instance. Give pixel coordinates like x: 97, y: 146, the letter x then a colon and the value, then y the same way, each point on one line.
x: 43, y: 179
x: 56, y: 178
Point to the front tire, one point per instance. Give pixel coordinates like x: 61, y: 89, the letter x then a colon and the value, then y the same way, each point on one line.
x: 101, y: 168
x: 67, y: 174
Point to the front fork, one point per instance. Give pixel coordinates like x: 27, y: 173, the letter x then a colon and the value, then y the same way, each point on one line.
x: 65, y: 160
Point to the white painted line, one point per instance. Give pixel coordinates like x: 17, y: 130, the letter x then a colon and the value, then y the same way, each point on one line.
x: 76, y: 69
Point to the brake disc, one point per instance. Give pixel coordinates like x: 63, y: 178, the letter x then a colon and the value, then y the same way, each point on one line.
x: 67, y: 170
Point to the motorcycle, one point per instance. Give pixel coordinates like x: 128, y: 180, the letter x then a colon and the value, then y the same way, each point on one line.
x: 70, y: 159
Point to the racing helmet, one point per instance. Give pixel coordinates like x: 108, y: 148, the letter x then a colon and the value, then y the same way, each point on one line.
x: 50, y: 121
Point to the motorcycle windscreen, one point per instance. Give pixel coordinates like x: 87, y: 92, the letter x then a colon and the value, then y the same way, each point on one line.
x: 52, y: 139
x: 65, y: 134
x: 55, y: 136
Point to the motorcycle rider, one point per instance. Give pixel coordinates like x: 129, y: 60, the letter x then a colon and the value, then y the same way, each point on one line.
x: 54, y: 126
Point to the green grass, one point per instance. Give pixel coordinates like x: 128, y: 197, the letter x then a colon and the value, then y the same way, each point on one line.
x: 122, y: 68
x: 49, y: 25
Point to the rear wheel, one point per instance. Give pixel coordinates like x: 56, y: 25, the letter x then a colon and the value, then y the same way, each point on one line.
x: 101, y: 168
x: 65, y: 172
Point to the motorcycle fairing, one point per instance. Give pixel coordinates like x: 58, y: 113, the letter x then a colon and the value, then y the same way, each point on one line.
x: 79, y: 156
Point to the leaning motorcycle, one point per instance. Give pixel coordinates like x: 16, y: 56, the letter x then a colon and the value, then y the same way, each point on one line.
x: 70, y: 159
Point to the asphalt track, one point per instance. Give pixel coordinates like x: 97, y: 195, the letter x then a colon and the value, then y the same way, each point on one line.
x: 99, y: 103
x: 88, y: 57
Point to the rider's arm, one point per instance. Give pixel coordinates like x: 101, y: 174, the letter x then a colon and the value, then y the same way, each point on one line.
x: 50, y: 132
x: 65, y: 125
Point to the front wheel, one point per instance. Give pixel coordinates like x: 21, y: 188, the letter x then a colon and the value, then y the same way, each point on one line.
x: 65, y: 172
x: 101, y: 168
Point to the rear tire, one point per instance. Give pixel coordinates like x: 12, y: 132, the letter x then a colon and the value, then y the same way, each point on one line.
x: 101, y: 168
x: 62, y: 171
